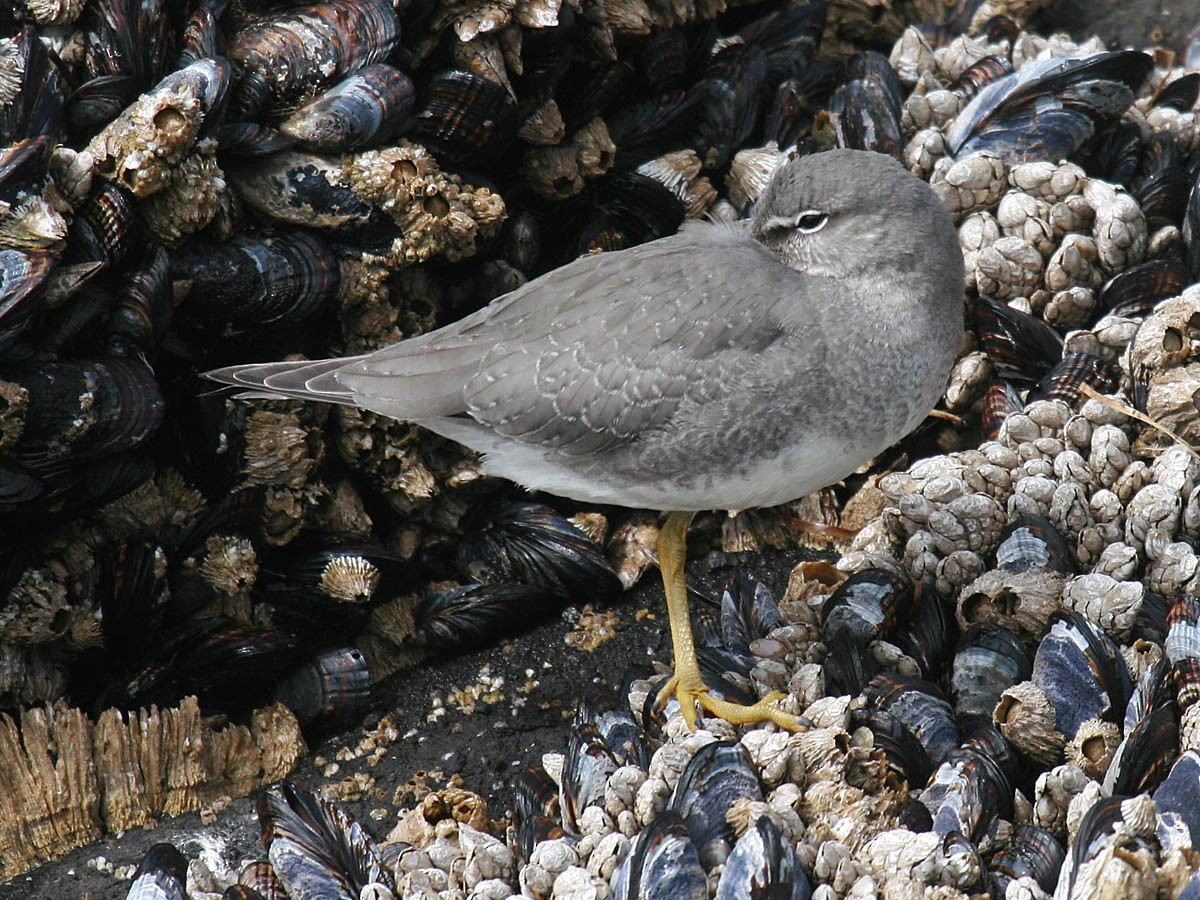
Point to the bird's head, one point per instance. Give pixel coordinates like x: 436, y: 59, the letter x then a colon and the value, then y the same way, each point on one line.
x: 843, y: 211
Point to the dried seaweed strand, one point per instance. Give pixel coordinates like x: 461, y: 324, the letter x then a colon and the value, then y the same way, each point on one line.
x: 1127, y: 410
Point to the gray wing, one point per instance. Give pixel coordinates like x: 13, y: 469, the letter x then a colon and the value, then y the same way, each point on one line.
x: 595, y: 353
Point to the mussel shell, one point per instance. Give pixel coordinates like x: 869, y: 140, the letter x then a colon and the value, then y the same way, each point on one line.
x: 1191, y: 227
x: 311, y: 617
x: 1185, y: 675
x: 1144, y: 758
x: 76, y: 488
x: 586, y: 770
x: 476, y: 615
x: 202, y: 36
x: 262, y: 880
x: 21, y: 273
x: 99, y: 100
x: 37, y: 107
x: 904, y: 753
x: 370, y: 105
x: 107, y: 228
x: 1048, y: 108
x: 1162, y: 197
x: 535, y: 810
x: 763, y: 866
x: 661, y: 865
x: 967, y: 793
x: 980, y: 74
x: 521, y: 237
x: 142, y: 312
x: 130, y: 598
x: 989, y: 659
x: 1183, y: 629
x: 727, y: 102
x: 619, y: 210
x: 1179, y: 93
x: 255, y: 284
x: 929, y: 633
x: 865, y: 607
x: 23, y: 167
x: 308, y: 190
x: 1113, y: 153
x: 651, y: 127
x: 1081, y: 671
x: 315, y: 848
x: 1096, y: 829
x: 868, y: 104
x: 726, y: 673
x: 593, y: 90
x: 1032, y: 543
x: 1136, y: 291
x: 80, y: 411
x: 465, y: 117
x: 124, y: 38
x: 251, y: 139
x: 748, y: 612
x: 1000, y: 401
x: 1181, y: 645
x: 333, y: 689
x: 1021, y: 347
x: 226, y: 665
x: 161, y: 875
x: 1031, y: 852
x: 663, y: 59
x: 718, y: 775
x: 18, y: 488
x: 69, y: 330
x: 618, y: 728
x: 281, y: 58
x: 1064, y: 382
x: 1150, y: 623
x: 1175, y: 797
x: 531, y: 544
x: 790, y: 114
x: 1155, y: 688
x: 919, y: 706
x: 789, y: 37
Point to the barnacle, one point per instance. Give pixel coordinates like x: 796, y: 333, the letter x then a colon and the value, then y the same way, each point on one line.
x: 436, y: 212
x: 156, y: 132
x: 190, y: 198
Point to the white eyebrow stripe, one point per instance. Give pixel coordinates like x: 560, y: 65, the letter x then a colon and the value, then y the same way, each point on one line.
x: 779, y: 223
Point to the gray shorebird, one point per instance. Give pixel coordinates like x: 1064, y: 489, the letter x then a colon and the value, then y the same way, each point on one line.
x: 724, y: 367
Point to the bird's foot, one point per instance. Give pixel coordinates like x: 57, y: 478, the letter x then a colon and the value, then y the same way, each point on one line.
x: 694, y: 697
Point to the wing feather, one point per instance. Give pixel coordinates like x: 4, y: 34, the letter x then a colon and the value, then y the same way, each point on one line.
x: 584, y: 359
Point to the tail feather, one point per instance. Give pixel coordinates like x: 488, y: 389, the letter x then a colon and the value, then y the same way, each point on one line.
x: 298, y: 380
x: 422, y: 392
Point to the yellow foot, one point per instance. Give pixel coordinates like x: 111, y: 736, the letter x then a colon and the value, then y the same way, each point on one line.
x: 690, y: 698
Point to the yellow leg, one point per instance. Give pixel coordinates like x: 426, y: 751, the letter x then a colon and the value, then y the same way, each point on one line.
x: 686, y: 684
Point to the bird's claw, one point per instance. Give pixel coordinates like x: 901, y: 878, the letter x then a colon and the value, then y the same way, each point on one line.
x: 692, y: 699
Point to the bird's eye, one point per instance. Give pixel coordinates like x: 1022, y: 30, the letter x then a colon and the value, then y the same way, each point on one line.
x: 811, y: 220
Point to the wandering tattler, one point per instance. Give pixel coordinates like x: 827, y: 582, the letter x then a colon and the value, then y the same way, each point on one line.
x: 724, y: 367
